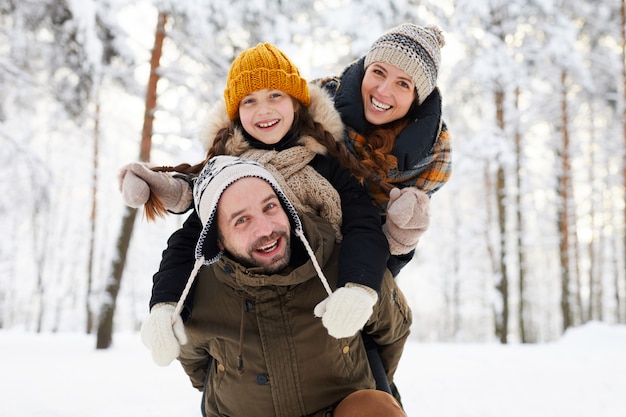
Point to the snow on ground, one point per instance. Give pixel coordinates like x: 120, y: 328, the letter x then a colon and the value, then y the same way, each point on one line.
x: 581, y: 375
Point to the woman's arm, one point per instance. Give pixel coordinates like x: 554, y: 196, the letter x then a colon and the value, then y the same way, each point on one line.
x: 364, y: 248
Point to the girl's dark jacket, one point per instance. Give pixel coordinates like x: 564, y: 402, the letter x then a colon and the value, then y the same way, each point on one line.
x: 289, y: 364
x: 364, y: 248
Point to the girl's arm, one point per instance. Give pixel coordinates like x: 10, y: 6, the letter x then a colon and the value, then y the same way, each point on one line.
x: 161, y: 332
x: 176, y: 264
x: 137, y: 182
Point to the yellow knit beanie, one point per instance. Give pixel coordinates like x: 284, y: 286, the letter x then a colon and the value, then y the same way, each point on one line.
x: 264, y: 66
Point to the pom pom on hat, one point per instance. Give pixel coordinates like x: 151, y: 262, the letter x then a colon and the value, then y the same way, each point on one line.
x: 264, y: 66
x: 415, y: 50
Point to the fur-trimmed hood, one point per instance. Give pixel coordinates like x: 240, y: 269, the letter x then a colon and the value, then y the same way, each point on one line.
x: 307, y: 189
x: 321, y: 108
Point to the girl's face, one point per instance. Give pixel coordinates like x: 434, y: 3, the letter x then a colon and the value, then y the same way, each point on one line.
x: 387, y: 93
x: 267, y: 115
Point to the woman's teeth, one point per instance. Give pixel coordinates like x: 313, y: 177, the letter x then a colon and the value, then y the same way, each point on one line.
x: 379, y: 105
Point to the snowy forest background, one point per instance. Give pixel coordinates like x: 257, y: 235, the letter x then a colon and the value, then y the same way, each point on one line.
x: 526, y: 240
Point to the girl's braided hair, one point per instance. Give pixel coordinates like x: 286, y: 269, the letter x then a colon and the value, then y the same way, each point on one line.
x: 303, y: 124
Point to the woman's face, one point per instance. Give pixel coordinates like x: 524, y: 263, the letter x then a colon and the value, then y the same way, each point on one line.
x: 387, y: 93
x: 267, y: 115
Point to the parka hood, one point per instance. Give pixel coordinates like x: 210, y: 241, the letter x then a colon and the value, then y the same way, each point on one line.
x: 321, y: 108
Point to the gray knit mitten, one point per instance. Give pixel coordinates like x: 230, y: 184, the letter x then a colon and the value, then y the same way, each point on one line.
x: 137, y: 181
x: 408, y: 217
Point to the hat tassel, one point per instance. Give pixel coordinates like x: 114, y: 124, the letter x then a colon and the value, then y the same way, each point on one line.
x: 300, y: 234
x: 190, y: 281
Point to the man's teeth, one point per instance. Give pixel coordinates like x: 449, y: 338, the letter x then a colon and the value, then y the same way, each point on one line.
x: 268, y: 248
x: 379, y: 105
x: 268, y: 124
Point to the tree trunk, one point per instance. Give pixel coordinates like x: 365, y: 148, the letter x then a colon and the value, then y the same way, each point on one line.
x: 563, y: 184
x: 502, y: 326
x: 107, y: 312
x: 105, y: 327
x: 595, y: 241
x: 490, y: 245
x: 94, y: 210
x: 41, y: 233
x: 621, y: 317
x: 521, y: 261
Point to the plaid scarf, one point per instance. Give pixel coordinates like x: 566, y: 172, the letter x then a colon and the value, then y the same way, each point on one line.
x: 429, y: 174
x: 422, y: 148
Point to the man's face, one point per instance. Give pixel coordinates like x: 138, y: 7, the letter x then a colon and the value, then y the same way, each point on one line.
x: 267, y: 115
x: 252, y: 225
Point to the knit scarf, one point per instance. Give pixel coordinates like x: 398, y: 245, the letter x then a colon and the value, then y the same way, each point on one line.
x: 307, y: 190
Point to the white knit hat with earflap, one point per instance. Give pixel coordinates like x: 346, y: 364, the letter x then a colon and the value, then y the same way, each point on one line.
x: 217, y: 175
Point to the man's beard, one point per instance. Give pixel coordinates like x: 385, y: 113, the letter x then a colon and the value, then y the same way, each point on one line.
x: 276, y: 264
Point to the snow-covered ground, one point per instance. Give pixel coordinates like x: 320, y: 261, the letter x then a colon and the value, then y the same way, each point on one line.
x: 581, y: 375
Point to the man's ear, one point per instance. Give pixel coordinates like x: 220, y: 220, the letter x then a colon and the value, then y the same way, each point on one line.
x: 220, y: 244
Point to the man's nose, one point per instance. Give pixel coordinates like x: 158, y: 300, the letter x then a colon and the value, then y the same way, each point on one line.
x: 264, y: 227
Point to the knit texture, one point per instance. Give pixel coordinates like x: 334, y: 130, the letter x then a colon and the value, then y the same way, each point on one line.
x: 217, y: 175
x: 415, y: 50
x: 307, y: 190
x: 263, y: 67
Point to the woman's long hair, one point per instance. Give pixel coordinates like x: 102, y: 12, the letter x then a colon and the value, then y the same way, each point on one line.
x: 374, y: 150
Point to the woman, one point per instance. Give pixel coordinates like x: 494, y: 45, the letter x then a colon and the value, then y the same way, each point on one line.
x: 397, y: 132
x: 396, y: 128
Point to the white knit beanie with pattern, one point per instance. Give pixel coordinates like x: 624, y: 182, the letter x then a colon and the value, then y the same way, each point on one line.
x: 415, y: 50
x: 217, y: 175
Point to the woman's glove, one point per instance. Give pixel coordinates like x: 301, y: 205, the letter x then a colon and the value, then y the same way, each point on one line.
x: 408, y: 216
x: 137, y: 181
x: 346, y: 311
x: 163, y: 333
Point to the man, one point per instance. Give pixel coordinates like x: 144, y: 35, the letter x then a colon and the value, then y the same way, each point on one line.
x: 266, y: 270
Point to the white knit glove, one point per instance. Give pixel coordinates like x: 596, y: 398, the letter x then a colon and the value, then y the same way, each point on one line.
x: 408, y: 217
x: 161, y: 336
x: 346, y: 311
x: 137, y: 181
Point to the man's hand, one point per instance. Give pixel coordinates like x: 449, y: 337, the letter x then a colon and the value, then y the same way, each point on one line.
x: 163, y: 333
x: 346, y: 311
x: 408, y: 217
x: 137, y: 181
